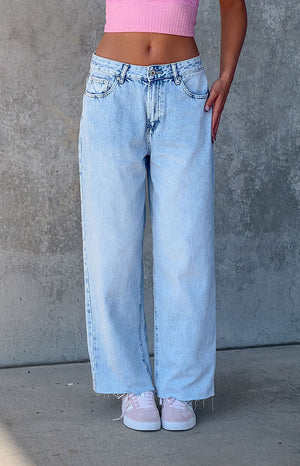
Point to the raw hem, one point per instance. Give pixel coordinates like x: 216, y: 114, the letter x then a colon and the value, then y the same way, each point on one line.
x: 116, y: 395
x: 194, y: 400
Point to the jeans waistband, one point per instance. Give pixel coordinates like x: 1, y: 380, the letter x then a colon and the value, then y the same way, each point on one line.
x: 150, y: 72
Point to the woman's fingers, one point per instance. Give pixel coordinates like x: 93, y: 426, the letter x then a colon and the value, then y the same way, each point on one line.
x: 217, y: 109
x: 211, y: 103
x: 216, y: 100
x: 211, y: 98
x: 215, y: 128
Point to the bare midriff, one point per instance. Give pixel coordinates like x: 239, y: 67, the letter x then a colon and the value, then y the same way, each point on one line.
x: 146, y: 48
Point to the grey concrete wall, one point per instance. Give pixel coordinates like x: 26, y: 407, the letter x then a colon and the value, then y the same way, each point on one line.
x: 45, y: 50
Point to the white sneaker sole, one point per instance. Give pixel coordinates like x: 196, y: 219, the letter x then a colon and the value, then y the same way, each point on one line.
x: 179, y: 425
x: 137, y: 425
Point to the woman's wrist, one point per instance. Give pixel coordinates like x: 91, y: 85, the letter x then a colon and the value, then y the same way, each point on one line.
x: 227, y: 77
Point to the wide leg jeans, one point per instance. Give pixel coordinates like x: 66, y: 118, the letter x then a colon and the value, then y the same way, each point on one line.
x: 141, y: 122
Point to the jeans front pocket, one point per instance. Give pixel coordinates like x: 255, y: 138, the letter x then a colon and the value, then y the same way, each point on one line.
x: 100, y: 86
x: 195, y: 84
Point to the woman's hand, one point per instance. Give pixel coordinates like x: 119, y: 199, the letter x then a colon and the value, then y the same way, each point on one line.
x: 233, y: 31
x: 217, y: 98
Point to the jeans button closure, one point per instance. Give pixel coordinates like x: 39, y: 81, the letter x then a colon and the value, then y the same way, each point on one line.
x: 152, y: 72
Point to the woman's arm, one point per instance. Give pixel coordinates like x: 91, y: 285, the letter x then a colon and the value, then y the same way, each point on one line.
x: 233, y: 31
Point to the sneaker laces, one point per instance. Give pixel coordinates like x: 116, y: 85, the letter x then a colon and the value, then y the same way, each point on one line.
x: 144, y: 400
x: 175, y: 403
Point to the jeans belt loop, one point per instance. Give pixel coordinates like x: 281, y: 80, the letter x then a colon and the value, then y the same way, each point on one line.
x: 121, y: 77
x: 177, y: 78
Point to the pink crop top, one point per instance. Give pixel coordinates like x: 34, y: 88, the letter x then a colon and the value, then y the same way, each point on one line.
x: 167, y: 16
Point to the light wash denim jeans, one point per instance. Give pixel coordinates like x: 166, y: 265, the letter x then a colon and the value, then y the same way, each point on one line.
x: 137, y: 122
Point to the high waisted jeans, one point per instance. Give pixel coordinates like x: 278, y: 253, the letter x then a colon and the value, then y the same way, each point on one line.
x: 137, y: 122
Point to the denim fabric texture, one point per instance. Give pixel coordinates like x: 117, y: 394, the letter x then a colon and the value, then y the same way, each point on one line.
x: 141, y: 122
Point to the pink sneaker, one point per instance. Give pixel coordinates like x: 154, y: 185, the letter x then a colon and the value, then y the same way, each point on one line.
x: 140, y: 411
x: 176, y: 414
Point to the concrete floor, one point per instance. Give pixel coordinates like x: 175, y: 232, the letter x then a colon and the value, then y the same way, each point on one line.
x: 51, y: 416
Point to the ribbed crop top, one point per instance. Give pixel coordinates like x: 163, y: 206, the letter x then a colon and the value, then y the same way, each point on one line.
x: 166, y: 16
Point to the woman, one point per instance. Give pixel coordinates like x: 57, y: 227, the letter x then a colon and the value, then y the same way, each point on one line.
x: 148, y: 112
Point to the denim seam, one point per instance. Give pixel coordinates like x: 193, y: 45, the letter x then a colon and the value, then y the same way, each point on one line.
x: 97, y: 79
x: 94, y: 360
x: 87, y: 281
x: 141, y: 349
x: 159, y: 92
x: 148, y: 142
x: 154, y: 282
x: 191, y: 94
x: 156, y: 345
